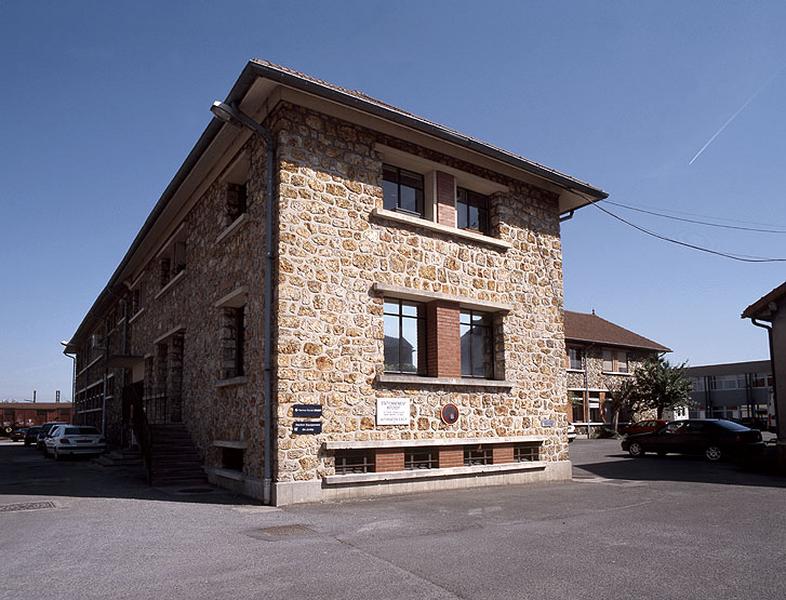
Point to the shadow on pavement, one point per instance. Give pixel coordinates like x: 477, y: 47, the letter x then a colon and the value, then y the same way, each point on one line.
x: 676, y: 467
x: 26, y: 472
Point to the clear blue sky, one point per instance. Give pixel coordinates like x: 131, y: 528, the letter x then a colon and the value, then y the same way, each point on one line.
x: 101, y: 101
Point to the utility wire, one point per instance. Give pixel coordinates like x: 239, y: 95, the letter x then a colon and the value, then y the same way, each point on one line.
x: 700, y: 216
x: 696, y: 221
x: 737, y: 257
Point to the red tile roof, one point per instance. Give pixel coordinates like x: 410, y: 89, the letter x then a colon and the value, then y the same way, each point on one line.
x: 584, y: 327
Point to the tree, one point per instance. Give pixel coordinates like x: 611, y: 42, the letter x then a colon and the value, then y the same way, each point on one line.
x: 624, y: 398
x: 659, y: 385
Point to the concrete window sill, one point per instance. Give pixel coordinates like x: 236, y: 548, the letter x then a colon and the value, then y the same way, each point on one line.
x: 616, y: 373
x: 227, y: 474
x: 230, y: 382
x: 237, y: 444
x: 135, y: 316
x: 171, y: 283
x: 392, y: 476
x: 419, y: 381
x: 575, y: 370
x: 419, y: 443
x: 454, y: 232
x: 232, y: 227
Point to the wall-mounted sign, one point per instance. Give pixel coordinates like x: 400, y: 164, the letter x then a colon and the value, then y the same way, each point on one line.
x: 306, y: 428
x: 548, y: 423
x: 392, y: 411
x: 313, y: 411
x: 449, y: 413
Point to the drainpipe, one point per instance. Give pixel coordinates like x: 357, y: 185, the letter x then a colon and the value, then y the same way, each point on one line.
x: 758, y: 323
x: 231, y: 114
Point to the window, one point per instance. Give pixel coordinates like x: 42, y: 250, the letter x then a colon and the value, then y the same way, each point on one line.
x: 608, y: 360
x: 622, y: 362
x: 727, y: 382
x: 577, y: 406
x: 526, y: 452
x: 402, y: 190
x: 354, y: 461
x: 172, y: 260
x: 232, y: 458
x: 236, y: 201
x: 697, y: 384
x: 594, y: 407
x: 477, y: 455
x: 477, y: 345
x: 405, y: 337
x: 421, y: 459
x: 234, y: 342
x: 575, y: 359
x: 472, y: 210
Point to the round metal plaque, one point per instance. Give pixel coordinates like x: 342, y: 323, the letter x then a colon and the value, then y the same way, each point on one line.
x: 449, y: 413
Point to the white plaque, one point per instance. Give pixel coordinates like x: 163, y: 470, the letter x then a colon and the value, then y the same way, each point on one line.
x: 392, y: 411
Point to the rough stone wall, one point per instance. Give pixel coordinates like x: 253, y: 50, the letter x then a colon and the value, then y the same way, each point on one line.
x: 596, y: 378
x: 330, y: 324
x: 213, y: 269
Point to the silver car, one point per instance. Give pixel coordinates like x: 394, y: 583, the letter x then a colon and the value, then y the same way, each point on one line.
x: 73, y: 440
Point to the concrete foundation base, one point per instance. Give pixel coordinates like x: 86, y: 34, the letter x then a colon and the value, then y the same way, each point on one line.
x: 298, y: 492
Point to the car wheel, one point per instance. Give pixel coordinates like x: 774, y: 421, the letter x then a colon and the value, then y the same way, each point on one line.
x: 713, y: 453
x: 635, y: 450
x: 56, y: 455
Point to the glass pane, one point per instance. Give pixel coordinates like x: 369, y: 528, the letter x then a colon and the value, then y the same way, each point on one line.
x: 408, y: 350
x: 461, y: 215
x: 465, y: 317
x: 481, y: 352
x: 410, y: 179
x: 390, y: 192
x: 483, y: 220
x: 408, y: 199
x: 481, y: 318
x: 391, y: 343
x: 472, y: 218
x: 409, y: 309
x: 466, y: 365
x: 391, y: 307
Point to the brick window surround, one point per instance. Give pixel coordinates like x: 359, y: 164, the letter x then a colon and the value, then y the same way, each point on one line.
x: 443, y: 351
x: 445, y: 199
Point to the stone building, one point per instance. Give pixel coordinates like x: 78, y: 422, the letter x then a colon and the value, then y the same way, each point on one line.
x: 414, y: 334
x: 769, y: 313
x: 599, y: 356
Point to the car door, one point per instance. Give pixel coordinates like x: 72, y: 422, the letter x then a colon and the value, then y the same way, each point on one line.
x: 668, y: 438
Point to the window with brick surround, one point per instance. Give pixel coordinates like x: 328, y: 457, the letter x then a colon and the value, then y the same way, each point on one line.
x: 233, y: 342
x: 421, y: 458
x: 526, y: 452
x: 477, y: 455
x: 405, y: 337
x: 172, y: 259
x: 477, y: 344
x: 575, y: 359
x: 403, y: 190
x: 472, y: 210
x: 354, y: 461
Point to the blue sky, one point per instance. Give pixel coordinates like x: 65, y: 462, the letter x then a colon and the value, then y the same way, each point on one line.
x: 102, y: 101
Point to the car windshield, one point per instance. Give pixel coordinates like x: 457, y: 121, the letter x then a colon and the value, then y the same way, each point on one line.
x: 81, y: 431
x: 731, y: 425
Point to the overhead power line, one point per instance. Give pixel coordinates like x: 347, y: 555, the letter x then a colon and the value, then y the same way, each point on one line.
x: 696, y: 221
x: 644, y: 230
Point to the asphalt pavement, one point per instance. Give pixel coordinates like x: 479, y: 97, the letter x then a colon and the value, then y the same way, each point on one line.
x: 670, y: 527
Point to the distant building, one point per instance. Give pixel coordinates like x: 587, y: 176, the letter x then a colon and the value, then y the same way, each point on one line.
x: 26, y: 414
x: 741, y: 390
x: 600, y: 355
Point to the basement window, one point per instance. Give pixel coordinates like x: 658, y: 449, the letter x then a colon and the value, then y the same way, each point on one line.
x: 526, y: 453
x: 421, y: 458
x: 232, y: 458
x: 477, y: 455
x: 354, y: 461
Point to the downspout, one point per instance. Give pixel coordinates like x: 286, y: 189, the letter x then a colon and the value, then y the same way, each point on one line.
x: 758, y: 323
x: 231, y: 114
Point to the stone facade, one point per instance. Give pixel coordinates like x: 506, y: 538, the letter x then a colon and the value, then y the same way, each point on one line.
x: 333, y: 247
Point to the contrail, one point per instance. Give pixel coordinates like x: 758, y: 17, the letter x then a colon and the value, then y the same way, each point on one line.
x: 734, y: 116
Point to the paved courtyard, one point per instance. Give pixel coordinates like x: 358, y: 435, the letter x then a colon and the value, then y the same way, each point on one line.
x: 648, y: 528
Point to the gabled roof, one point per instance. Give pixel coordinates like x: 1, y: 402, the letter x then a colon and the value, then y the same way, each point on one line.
x: 577, y: 193
x: 590, y: 328
x: 761, y: 309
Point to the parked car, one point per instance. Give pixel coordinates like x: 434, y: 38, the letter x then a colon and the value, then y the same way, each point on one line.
x: 31, y: 435
x: 18, y: 435
x: 643, y: 426
x: 571, y: 432
x: 73, y: 440
x: 44, y: 431
x: 714, y: 438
